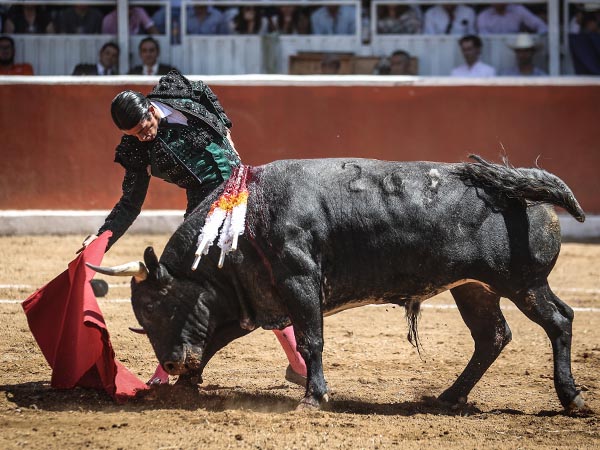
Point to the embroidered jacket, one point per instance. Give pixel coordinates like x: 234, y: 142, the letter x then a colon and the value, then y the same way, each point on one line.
x: 197, y: 157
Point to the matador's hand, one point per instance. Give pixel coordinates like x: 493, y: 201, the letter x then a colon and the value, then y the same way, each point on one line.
x: 87, y: 241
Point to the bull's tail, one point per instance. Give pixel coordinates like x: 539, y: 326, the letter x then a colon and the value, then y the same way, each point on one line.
x: 505, y: 181
x: 412, y: 309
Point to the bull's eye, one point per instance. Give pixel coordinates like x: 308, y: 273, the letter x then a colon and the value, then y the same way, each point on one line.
x: 149, y: 308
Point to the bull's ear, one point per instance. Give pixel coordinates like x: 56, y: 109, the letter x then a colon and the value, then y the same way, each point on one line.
x: 156, y: 270
x: 151, y: 262
x: 163, y: 276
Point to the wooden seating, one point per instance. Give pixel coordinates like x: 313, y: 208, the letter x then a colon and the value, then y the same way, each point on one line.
x: 309, y: 63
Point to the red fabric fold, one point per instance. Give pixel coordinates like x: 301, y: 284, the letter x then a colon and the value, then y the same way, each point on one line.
x: 67, y: 323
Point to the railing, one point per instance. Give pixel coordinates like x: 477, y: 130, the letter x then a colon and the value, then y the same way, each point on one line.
x: 269, y: 53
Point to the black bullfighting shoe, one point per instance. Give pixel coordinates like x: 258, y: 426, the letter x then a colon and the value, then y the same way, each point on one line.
x: 294, y: 377
x: 100, y: 287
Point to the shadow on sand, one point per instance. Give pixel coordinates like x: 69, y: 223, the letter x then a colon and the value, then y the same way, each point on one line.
x: 212, y: 398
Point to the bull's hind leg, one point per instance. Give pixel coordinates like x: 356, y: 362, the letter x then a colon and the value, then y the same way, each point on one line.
x: 480, y: 309
x: 556, y: 318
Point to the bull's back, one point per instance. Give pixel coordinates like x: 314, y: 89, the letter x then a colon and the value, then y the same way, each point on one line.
x: 387, y: 231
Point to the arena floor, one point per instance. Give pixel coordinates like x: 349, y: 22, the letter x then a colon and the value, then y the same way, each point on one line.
x: 381, y: 388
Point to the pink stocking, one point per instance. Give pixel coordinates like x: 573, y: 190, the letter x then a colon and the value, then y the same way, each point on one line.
x: 159, y: 377
x: 288, y: 342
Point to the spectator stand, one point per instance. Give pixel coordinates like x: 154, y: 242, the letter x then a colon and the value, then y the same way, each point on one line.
x: 438, y: 54
x: 58, y: 54
x: 260, y: 53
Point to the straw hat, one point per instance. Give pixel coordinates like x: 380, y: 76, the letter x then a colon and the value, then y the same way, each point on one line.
x: 524, y: 41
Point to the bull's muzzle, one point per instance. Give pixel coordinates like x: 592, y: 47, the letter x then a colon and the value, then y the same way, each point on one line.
x: 190, y: 362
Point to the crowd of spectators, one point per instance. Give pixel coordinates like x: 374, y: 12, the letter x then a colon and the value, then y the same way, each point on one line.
x: 460, y: 20
x: 451, y: 18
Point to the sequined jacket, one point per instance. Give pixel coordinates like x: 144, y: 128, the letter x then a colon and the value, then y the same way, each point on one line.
x: 197, y: 157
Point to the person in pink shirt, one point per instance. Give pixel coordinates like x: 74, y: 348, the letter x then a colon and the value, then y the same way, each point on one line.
x: 503, y: 18
x: 139, y: 22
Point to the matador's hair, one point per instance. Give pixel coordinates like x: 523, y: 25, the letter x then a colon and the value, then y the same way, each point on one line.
x: 128, y: 109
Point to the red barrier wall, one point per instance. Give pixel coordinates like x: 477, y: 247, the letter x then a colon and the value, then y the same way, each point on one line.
x: 58, y: 139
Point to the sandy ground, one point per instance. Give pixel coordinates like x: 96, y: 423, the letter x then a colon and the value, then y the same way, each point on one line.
x: 381, y: 388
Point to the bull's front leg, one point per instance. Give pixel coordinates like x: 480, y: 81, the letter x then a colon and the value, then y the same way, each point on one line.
x: 308, y: 329
x: 301, y: 298
x: 297, y: 277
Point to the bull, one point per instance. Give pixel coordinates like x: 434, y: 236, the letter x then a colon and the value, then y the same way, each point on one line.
x: 327, y: 235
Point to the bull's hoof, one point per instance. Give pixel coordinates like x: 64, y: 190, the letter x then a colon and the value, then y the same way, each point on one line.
x: 312, y: 404
x: 188, y: 380
x: 576, y: 405
x: 309, y: 404
x: 452, y: 401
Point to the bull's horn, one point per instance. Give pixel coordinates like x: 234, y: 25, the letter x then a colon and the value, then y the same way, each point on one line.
x: 136, y: 269
x: 137, y: 330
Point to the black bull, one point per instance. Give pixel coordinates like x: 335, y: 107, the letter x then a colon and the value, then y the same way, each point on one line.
x: 327, y: 235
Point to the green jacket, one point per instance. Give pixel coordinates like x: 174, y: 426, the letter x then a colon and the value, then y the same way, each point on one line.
x: 197, y: 157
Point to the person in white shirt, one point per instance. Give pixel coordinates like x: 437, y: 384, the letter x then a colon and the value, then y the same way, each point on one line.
x: 450, y: 18
x: 470, y: 46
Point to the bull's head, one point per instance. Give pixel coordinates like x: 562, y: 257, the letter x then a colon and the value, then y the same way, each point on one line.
x: 186, y: 321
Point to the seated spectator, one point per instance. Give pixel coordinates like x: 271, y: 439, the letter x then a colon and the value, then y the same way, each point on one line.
x: 108, y: 61
x: 139, y: 22
x: 470, y: 47
x: 585, y: 45
x: 585, y: 9
x: 30, y: 19
x: 330, y: 64
x: 399, y: 63
x: 590, y: 22
x: 333, y: 19
x: 160, y: 21
x: 450, y: 18
x: 149, y: 51
x: 399, y: 19
x: 524, y: 48
x: 7, y: 59
x: 80, y: 19
x: 250, y: 20
x: 502, y: 18
x: 290, y: 19
x: 202, y: 19
x: 3, y: 11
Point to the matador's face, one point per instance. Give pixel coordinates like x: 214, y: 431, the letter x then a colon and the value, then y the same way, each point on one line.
x: 147, y: 129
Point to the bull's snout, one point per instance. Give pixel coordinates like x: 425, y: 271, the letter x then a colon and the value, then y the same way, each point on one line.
x: 181, y: 367
x: 175, y: 367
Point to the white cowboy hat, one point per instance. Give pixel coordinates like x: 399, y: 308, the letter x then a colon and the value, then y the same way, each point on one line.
x: 523, y: 41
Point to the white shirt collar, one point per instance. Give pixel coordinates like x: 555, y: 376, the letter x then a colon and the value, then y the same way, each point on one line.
x: 172, y: 115
x: 101, y: 69
x: 154, y: 69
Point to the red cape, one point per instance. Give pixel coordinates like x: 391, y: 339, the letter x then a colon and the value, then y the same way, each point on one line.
x: 67, y: 324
